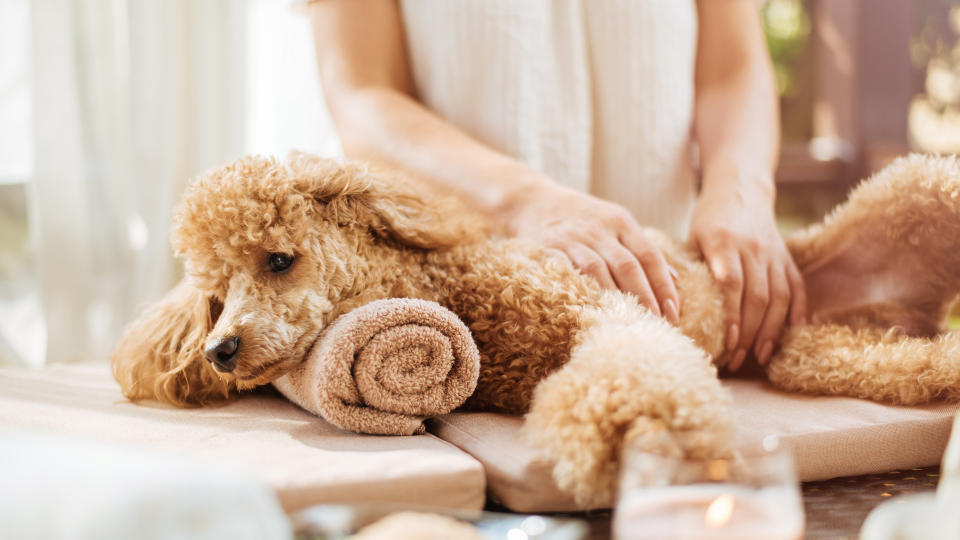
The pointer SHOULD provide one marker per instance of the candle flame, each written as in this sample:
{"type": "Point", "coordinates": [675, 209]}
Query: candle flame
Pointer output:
{"type": "Point", "coordinates": [720, 510]}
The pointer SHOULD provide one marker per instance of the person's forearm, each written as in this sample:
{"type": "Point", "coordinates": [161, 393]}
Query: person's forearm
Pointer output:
{"type": "Point", "coordinates": [738, 137]}
{"type": "Point", "coordinates": [737, 127]}
{"type": "Point", "coordinates": [368, 87]}
{"type": "Point", "coordinates": [386, 125]}
{"type": "Point", "coordinates": [737, 117]}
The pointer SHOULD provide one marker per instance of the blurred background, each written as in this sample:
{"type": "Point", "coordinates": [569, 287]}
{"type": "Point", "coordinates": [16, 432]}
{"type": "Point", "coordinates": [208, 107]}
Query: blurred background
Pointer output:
{"type": "Point", "coordinates": [107, 107]}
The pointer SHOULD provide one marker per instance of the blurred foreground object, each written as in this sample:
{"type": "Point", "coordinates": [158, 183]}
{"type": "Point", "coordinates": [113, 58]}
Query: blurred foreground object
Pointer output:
{"type": "Point", "coordinates": [414, 526]}
{"type": "Point", "coordinates": [400, 521]}
{"type": "Point", "coordinates": [63, 488]}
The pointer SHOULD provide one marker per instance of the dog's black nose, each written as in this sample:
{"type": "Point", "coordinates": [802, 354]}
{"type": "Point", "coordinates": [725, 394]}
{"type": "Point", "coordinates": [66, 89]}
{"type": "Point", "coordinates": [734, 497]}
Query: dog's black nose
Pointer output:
{"type": "Point", "coordinates": [223, 354]}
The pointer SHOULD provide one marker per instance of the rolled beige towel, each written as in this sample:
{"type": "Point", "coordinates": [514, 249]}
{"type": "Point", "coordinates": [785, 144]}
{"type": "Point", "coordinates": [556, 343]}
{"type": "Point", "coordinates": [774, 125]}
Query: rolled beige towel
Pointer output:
{"type": "Point", "coordinates": [386, 366]}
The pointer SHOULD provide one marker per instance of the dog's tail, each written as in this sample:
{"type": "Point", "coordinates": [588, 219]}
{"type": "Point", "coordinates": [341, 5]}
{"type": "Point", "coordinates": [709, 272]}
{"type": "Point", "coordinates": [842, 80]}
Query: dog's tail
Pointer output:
{"type": "Point", "coordinates": [868, 363]}
{"type": "Point", "coordinates": [632, 378]}
{"type": "Point", "coordinates": [161, 353]}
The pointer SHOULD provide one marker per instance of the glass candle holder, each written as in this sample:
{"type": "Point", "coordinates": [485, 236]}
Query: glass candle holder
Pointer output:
{"type": "Point", "coordinates": [744, 498]}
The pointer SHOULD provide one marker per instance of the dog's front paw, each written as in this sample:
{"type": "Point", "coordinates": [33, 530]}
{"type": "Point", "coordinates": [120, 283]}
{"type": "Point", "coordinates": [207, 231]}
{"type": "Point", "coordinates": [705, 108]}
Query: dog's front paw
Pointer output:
{"type": "Point", "coordinates": [569, 424]}
{"type": "Point", "coordinates": [583, 428]}
{"type": "Point", "coordinates": [632, 376]}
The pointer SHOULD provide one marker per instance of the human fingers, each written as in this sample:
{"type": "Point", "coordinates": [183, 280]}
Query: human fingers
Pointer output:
{"type": "Point", "coordinates": [658, 272]}
{"type": "Point", "coordinates": [627, 272]}
{"type": "Point", "coordinates": [756, 298]}
{"type": "Point", "coordinates": [728, 272]}
{"type": "Point", "coordinates": [798, 294]}
{"type": "Point", "coordinates": [589, 262]}
{"type": "Point", "coordinates": [775, 315]}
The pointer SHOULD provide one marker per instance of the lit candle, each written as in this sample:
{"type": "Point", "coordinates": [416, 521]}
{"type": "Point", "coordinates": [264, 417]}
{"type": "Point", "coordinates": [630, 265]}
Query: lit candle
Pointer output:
{"type": "Point", "coordinates": [715, 511]}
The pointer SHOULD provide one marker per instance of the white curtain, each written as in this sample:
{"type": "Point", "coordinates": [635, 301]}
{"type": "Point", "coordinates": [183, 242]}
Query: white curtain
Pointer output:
{"type": "Point", "coordinates": [131, 98]}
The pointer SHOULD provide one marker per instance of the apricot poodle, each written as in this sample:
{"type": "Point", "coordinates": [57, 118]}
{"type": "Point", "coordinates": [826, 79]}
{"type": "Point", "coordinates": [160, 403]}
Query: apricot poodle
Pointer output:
{"type": "Point", "coordinates": [274, 251]}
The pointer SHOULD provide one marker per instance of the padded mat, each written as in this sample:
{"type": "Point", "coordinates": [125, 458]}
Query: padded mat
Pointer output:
{"type": "Point", "coordinates": [304, 459]}
{"type": "Point", "coordinates": [829, 437]}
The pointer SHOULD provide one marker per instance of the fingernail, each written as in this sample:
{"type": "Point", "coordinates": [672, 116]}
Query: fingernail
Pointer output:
{"type": "Point", "coordinates": [765, 352]}
{"type": "Point", "coordinates": [738, 358]}
{"type": "Point", "coordinates": [670, 308]}
{"type": "Point", "coordinates": [673, 272]}
{"type": "Point", "coordinates": [733, 334]}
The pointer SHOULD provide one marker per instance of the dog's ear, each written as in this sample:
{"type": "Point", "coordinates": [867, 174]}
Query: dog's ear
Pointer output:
{"type": "Point", "coordinates": [416, 214]}
{"type": "Point", "coordinates": [389, 202]}
{"type": "Point", "coordinates": [161, 353]}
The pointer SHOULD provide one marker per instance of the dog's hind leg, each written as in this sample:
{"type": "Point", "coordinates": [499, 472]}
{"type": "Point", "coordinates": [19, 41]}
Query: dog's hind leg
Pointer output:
{"type": "Point", "coordinates": [632, 378]}
{"type": "Point", "coordinates": [869, 363]}
{"type": "Point", "coordinates": [890, 255]}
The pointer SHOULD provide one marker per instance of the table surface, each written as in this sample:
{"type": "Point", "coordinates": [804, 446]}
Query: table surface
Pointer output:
{"type": "Point", "coordinates": [835, 509]}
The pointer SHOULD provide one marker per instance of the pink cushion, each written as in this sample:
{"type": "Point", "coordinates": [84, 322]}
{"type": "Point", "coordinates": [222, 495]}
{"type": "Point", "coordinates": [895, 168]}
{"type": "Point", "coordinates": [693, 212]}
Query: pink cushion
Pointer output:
{"type": "Point", "coordinates": [829, 436]}
{"type": "Point", "coordinates": [304, 459]}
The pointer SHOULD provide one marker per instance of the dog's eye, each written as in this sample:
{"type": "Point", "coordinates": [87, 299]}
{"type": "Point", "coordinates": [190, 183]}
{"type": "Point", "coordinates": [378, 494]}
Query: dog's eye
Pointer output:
{"type": "Point", "coordinates": [280, 262]}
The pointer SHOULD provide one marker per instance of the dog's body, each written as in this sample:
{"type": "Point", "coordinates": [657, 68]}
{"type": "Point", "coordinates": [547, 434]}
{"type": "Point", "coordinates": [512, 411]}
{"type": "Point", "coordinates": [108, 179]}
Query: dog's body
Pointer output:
{"type": "Point", "coordinates": [591, 368]}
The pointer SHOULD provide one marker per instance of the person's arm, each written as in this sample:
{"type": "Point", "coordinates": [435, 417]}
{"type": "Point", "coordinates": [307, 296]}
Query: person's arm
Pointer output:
{"type": "Point", "coordinates": [737, 129]}
{"type": "Point", "coordinates": [367, 85]}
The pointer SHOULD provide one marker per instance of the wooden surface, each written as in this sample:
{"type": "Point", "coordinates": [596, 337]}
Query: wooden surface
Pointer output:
{"type": "Point", "coordinates": [836, 508]}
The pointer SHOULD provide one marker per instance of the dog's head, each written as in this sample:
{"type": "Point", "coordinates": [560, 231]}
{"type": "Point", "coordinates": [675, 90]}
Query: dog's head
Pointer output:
{"type": "Point", "coordinates": [270, 250]}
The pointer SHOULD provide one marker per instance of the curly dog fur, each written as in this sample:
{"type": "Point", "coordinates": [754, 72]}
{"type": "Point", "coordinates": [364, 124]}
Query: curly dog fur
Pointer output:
{"type": "Point", "coordinates": [591, 369]}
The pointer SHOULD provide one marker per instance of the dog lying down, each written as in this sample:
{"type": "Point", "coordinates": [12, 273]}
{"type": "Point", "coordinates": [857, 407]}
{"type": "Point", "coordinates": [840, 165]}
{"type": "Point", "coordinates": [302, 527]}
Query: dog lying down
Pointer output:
{"type": "Point", "coordinates": [275, 251]}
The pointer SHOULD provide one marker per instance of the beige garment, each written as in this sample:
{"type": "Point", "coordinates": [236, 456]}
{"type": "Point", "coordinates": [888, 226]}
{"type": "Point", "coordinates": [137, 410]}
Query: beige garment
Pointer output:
{"type": "Point", "coordinates": [597, 94]}
{"type": "Point", "coordinates": [386, 366]}
{"type": "Point", "coordinates": [828, 436]}
{"type": "Point", "coordinates": [305, 460]}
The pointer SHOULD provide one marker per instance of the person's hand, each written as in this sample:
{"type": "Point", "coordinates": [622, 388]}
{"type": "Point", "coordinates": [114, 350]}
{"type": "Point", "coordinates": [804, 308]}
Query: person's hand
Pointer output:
{"type": "Point", "coordinates": [602, 240]}
{"type": "Point", "coordinates": [734, 227]}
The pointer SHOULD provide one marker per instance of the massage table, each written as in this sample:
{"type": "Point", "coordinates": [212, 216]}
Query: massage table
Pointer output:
{"type": "Point", "coordinates": [463, 458]}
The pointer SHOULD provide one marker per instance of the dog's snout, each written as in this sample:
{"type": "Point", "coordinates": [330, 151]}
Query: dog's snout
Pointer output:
{"type": "Point", "coordinates": [223, 354]}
